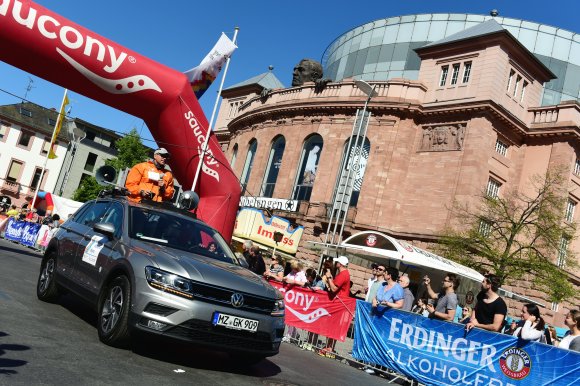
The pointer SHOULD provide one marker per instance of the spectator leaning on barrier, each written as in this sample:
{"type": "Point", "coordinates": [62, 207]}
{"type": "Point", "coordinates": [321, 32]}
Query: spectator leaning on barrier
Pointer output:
{"type": "Point", "coordinates": [13, 212]}
{"type": "Point", "coordinates": [421, 307]}
{"type": "Point", "coordinates": [276, 270]}
{"type": "Point", "coordinates": [408, 297]}
{"type": "Point", "coordinates": [380, 273]}
{"type": "Point", "coordinates": [533, 328]}
{"type": "Point", "coordinates": [490, 310]}
{"type": "Point", "coordinates": [447, 299]}
{"type": "Point", "coordinates": [314, 281]}
{"type": "Point", "coordinates": [571, 341]}
{"type": "Point", "coordinates": [256, 261]}
{"type": "Point", "coordinates": [465, 314]}
{"type": "Point", "coordinates": [370, 281]}
{"type": "Point", "coordinates": [391, 293]}
{"type": "Point", "coordinates": [297, 275]}
{"type": "Point", "coordinates": [339, 285]}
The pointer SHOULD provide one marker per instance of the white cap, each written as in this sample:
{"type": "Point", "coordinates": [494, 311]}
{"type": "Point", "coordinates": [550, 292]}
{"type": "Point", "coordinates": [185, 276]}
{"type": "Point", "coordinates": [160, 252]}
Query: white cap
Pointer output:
{"type": "Point", "coordinates": [341, 259]}
{"type": "Point", "coordinates": [161, 151]}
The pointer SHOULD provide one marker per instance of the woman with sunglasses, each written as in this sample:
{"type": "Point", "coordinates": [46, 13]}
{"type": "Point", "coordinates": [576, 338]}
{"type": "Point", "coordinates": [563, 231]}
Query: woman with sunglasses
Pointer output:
{"type": "Point", "coordinates": [465, 315]}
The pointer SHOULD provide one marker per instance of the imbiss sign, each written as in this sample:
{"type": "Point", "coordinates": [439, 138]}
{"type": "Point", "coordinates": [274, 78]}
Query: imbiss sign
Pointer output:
{"type": "Point", "coordinates": [253, 225]}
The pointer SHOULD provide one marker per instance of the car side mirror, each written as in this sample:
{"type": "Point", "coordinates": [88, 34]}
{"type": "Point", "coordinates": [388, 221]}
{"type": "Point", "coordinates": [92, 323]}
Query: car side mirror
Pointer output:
{"type": "Point", "coordinates": [105, 228]}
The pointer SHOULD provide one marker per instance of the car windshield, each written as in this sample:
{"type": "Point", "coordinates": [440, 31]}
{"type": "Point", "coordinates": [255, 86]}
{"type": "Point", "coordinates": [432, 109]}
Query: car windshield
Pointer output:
{"type": "Point", "coordinates": [178, 232]}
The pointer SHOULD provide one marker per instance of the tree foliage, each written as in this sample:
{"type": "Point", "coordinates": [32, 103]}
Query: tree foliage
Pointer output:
{"type": "Point", "coordinates": [517, 236]}
{"type": "Point", "coordinates": [130, 151]}
{"type": "Point", "coordinates": [88, 190]}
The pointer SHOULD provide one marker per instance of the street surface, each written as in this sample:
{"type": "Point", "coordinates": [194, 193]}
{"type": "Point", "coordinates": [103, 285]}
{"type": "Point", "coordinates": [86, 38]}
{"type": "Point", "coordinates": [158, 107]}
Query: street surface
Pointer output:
{"type": "Point", "coordinates": [57, 344]}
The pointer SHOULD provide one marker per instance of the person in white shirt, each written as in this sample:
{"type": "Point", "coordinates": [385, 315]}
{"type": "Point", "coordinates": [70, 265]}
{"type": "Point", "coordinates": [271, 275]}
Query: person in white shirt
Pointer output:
{"type": "Point", "coordinates": [572, 339]}
{"type": "Point", "coordinates": [533, 328]}
{"type": "Point", "coordinates": [370, 282]}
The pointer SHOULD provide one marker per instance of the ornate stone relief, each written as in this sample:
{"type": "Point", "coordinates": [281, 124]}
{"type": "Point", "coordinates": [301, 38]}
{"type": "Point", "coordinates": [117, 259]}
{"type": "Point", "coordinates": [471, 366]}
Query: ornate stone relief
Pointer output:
{"type": "Point", "coordinates": [442, 138]}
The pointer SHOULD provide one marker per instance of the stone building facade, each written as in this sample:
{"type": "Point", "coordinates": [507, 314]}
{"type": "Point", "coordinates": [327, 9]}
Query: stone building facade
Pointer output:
{"type": "Point", "coordinates": [471, 121]}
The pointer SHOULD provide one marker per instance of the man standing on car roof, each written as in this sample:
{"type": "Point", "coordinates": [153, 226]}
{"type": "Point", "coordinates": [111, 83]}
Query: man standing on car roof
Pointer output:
{"type": "Point", "coordinates": [151, 180]}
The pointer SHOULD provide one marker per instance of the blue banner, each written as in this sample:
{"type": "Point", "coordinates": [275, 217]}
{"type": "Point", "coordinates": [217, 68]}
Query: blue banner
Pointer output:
{"type": "Point", "coordinates": [442, 353]}
{"type": "Point", "coordinates": [22, 231]}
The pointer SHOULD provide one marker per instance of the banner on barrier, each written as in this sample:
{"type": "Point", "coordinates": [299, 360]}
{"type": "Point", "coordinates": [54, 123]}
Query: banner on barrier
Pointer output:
{"type": "Point", "coordinates": [441, 353]}
{"type": "Point", "coordinates": [22, 231]}
{"type": "Point", "coordinates": [315, 311]}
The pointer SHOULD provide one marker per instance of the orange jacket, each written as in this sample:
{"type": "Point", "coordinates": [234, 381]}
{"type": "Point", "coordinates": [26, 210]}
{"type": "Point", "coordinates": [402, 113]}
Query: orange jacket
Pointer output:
{"type": "Point", "coordinates": [145, 176]}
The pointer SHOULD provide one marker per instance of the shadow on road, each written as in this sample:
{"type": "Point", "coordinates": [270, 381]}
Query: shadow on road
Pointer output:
{"type": "Point", "coordinates": [7, 364]}
{"type": "Point", "coordinates": [17, 248]}
{"type": "Point", "coordinates": [182, 354]}
{"type": "Point", "coordinates": [171, 351]}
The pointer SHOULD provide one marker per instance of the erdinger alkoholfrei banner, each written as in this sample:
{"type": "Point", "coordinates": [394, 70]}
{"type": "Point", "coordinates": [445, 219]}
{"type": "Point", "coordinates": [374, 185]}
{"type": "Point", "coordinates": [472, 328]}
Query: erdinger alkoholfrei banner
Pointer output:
{"type": "Point", "coordinates": [44, 43]}
{"type": "Point", "coordinates": [441, 353]}
{"type": "Point", "coordinates": [315, 311]}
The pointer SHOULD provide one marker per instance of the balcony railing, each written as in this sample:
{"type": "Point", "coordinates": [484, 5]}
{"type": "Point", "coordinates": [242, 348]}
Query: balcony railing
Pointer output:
{"type": "Point", "coordinates": [566, 111]}
{"type": "Point", "coordinates": [10, 186]}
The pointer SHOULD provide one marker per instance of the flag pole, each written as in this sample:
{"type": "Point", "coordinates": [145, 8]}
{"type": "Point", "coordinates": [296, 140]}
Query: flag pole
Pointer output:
{"type": "Point", "coordinates": [210, 126]}
{"type": "Point", "coordinates": [58, 123]}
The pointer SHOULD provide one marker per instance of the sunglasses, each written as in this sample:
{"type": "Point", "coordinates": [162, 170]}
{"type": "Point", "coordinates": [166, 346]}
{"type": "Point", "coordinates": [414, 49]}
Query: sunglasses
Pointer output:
{"type": "Point", "coordinates": [380, 269]}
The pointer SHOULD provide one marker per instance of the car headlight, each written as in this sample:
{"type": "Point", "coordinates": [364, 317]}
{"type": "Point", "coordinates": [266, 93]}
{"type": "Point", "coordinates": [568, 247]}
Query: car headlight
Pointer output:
{"type": "Point", "coordinates": [278, 308]}
{"type": "Point", "coordinates": [169, 282]}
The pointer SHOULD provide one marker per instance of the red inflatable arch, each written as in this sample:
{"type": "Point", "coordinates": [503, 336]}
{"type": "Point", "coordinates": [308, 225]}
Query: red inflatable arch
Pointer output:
{"type": "Point", "coordinates": [45, 44]}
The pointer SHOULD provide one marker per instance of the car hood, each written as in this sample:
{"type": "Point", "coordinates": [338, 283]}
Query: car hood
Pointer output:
{"type": "Point", "coordinates": [205, 269]}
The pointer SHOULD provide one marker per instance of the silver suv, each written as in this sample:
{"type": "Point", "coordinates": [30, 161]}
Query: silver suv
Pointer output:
{"type": "Point", "coordinates": [155, 268]}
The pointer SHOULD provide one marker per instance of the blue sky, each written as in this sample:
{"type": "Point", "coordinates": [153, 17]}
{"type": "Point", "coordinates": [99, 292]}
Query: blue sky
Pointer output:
{"type": "Point", "coordinates": [179, 33]}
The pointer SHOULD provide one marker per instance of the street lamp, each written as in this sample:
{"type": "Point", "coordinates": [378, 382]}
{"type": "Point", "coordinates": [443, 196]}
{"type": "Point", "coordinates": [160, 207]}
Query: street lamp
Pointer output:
{"type": "Point", "coordinates": [358, 132]}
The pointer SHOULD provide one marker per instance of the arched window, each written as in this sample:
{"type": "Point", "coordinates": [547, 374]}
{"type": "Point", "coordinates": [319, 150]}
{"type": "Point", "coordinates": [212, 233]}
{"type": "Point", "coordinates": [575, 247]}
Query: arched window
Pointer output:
{"type": "Point", "coordinates": [274, 162]}
{"type": "Point", "coordinates": [248, 165]}
{"type": "Point", "coordinates": [308, 167]}
{"type": "Point", "coordinates": [350, 177]}
{"type": "Point", "coordinates": [234, 156]}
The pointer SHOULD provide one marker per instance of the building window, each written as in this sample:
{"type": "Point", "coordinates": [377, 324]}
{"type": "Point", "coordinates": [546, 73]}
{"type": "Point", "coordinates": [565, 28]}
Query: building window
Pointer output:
{"type": "Point", "coordinates": [484, 227]}
{"type": "Point", "coordinates": [308, 168]}
{"type": "Point", "coordinates": [510, 80]}
{"type": "Point", "coordinates": [25, 112]}
{"type": "Point", "coordinates": [25, 139]}
{"type": "Point", "coordinates": [353, 167]}
{"type": "Point", "coordinates": [35, 179]}
{"type": "Point", "coordinates": [570, 206]}
{"type": "Point", "coordinates": [273, 167]}
{"type": "Point", "coordinates": [466, 72]}
{"type": "Point", "coordinates": [3, 132]}
{"type": "Point", "coordinates": [46, 146]}
{"type": "Point", "coordinates": [443, 78]}
{"type": "Point", "coordinates": [563, 251]}
{"type": "Point", "coordinates": [90, 135]}
{"type": "Point", "coordinates": [518, 80]}
{"type": "Point", "coordinates": [501, 148]}
{"type": "Point", "coordinates": [523, 91]}
{"type": "Point", "coordinates": [91, 160]}
{"type": "Point", "coordinates": [493, 188]}
{"type": "Point", "coordinates": [234, 156]}
{"type": "Point", "coordinates": [455, 74]}
{"type": "Point", "coordinates": [555, 306]}
{"type": "Point", "coordinates": [577, 167]}
{"type": "Point", "coordinates": [248, 165]}
{"type": "Point", "coordinates": [14, 171]}
{"type": "Point", "coordinates": [51, 122]}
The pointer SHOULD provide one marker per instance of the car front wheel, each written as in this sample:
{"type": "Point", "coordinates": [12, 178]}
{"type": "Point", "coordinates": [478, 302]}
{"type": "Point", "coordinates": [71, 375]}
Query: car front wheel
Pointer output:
{"type": "Point", "coordinates": [114, 313]}
{"type": "Point", "coordinates": [46, 287]}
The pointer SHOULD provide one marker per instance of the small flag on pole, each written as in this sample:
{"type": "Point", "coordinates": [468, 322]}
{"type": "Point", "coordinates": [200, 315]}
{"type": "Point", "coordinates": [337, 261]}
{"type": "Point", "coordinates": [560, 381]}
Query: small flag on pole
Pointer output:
{"type": "Point", "coordinates": [58, 125]}
{"type": "Point", "coordinates": [202, 76]}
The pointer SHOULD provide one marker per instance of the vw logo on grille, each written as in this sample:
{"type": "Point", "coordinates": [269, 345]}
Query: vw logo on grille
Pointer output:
{"type": "Point", "coordinates": [237, 300]}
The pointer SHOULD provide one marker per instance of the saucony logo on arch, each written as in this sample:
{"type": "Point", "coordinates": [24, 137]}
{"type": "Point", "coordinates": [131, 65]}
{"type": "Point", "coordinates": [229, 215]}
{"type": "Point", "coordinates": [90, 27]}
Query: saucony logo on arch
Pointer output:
{"type": "Point", "coordinates": [209, 161]}
{"type": "Point", "coordinates": [71, 38]}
